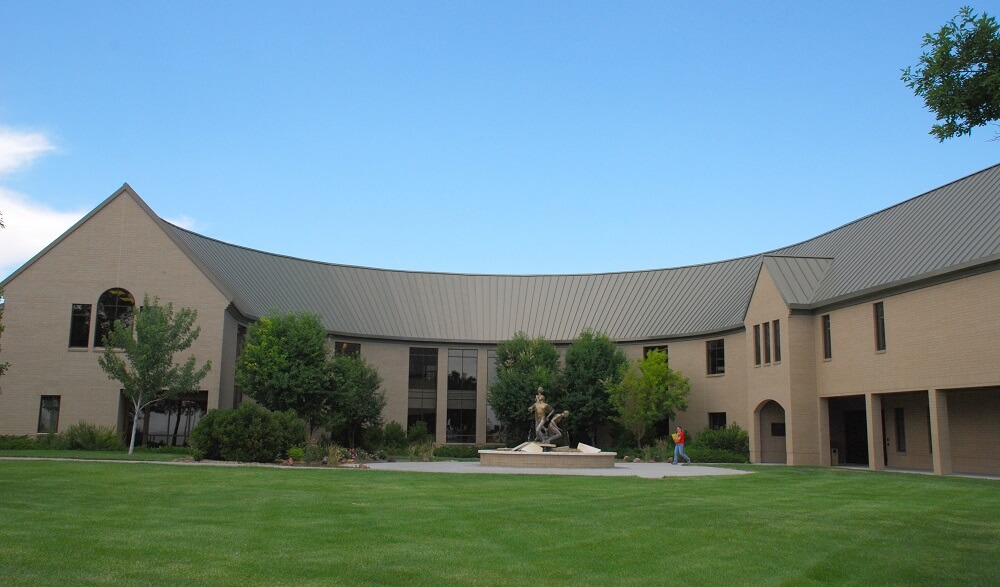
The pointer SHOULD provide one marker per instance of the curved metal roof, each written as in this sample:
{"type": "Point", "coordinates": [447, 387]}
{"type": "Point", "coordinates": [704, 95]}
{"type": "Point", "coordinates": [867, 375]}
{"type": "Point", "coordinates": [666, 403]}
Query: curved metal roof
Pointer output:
{"type": "Point", "coordinates": [943, 230]}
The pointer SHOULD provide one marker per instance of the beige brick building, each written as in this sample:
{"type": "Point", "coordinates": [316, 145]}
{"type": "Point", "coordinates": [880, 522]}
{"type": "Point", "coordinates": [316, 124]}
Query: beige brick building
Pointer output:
{"type": "Point", "coordinates": [876, 344]}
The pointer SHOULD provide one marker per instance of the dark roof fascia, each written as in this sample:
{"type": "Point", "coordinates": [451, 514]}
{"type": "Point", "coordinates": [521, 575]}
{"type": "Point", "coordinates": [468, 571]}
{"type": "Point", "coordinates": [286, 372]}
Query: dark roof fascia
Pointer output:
{"type": "Point", "coordinates": [125, 188]}
{"type": "Point", "coordinates": [953, 273]}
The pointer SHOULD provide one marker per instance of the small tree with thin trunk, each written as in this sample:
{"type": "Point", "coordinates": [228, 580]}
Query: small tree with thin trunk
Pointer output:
{"type": "Point", "coordinates": [141, 357]}
{"type": "Point", "coordinates": [649, 390]}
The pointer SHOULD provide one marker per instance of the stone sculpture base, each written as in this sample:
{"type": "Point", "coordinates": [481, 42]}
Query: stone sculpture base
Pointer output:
{"type": "Point", "coordinates": [560, 459]}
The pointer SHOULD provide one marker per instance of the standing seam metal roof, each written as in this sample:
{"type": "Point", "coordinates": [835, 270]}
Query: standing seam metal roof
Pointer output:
{"type": "Point", "coordinates": [950, 227]}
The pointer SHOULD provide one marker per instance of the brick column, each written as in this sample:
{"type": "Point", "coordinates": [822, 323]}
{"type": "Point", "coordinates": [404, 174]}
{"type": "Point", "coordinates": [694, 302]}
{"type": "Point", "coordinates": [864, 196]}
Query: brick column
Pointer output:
{"type": "Point", "coordinates": [824, 432]}
{"type": "Point", "coordinates": [876, 436]}
{"type": "Point", "coordinates": [937, 400]}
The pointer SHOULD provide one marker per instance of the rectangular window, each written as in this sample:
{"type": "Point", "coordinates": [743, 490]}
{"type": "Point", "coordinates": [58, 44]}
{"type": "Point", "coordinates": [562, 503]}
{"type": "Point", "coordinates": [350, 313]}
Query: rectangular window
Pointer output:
{"type": "Point", "coordinates": [79, 327]}
{"type": "Point", "coordinates": [879, 312]}
{"type": "Point", "coordinates": [462, 369]}
{"type": "Point", "coordinates": [756, 344]}
{"type": "Point", "coordinates": [777, 341]}
{"type": "Point", "coordinates": [715, 351]}
{"type": "Point", "coordinates": [648, 349]}
{"type": "Point", "coordinates": [777, 428]}
{"type": "Point", "coordinates": [494, 433]}
{"type": "Point", "coordinates": [900, 430]}
{"type": "Point", "coordinates": [827, 338]}
{"type": "Point", "coordinates": [716, 420]}
{"type": "Point", "coordinates": [347, 349]}
{"type": "Point", "coordinates": [767, 342]}
{"type": "Point", "coordinates": [48, 414]}
{"type": "Point", "coordinates": [423, 388]}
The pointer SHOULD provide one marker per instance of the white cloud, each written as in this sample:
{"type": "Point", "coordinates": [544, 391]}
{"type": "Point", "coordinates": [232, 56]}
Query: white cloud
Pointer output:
{"type": "Point", "coordinates": [19, 149]}
{"type": "Point", "coordinates": [30, 228]}
{"type": "Point", "coordinates": [185, 222]}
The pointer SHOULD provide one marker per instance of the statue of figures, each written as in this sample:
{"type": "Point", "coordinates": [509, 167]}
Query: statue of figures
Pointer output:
{"type": "Point", "coordinates": [554, 433]}
{"type": "Point", "coordinates": [542, 411]}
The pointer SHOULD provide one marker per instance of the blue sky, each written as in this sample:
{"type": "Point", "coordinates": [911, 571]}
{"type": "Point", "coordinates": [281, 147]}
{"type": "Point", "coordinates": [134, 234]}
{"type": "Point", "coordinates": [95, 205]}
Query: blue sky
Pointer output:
{"type": "Point", "coordinates": [471, 137]}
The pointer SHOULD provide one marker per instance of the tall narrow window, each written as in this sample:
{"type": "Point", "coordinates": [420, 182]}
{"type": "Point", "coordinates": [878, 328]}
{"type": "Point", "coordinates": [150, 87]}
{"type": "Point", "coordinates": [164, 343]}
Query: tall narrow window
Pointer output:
{"type": "Point", "coordinates": [900, 430]}
{"type": "Point", "coordinates": [767, 342]}
{"type": "Point", "coordinates": [79, 326]}
{"type": "Point", "coordinates": [423, 388]}
{"type": "Point", "coordinates": [879, 312]}
{"type": "Point", "coordinates": [716, 356]}
{"type": "Point", "coordinates": [114, 304]}
{"type": "Point", "coordinates": [777, 341]}
{"type": "Point", "coordinates": [48, 414]}
{"type": "Point", "coordinates": [494, 433]}
{"type": "Point", "coordinates": [462, 367]}
{"type": "Point", "coordinates": [756, 344]}
{"type": "Point", "coordinates": [827, 338]}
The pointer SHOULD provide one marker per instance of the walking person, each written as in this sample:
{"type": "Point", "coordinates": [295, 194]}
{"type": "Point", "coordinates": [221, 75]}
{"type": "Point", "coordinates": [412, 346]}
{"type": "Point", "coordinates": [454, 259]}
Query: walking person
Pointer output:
{"type": "Point", "coordinates": [679, 446]}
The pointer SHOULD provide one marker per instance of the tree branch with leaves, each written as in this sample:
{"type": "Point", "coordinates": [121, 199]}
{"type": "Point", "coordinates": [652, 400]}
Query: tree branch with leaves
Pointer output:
{"type": "Point", "coordinates": [139, 354]}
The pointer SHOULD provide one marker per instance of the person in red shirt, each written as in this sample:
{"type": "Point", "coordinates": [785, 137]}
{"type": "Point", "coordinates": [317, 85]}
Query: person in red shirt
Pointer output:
{"type": "Point", "coordinates": [679, 447]}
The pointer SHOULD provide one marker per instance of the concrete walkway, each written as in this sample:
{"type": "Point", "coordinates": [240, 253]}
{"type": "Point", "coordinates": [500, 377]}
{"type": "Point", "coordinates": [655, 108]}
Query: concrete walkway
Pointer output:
{"type": "Point", "coordinates": [646, 470]}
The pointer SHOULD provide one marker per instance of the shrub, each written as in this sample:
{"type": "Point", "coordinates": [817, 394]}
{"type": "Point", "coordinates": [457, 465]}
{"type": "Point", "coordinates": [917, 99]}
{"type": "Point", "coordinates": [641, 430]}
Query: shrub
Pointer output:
{"type": "Point", "coordinates": [86, 436]}
{"type": "Point", "coordinates": [297, 453]}
{"type": "Point", "coordinates": [702, 454]}
{"type": "Point", "coordinates": [17, 443]}
{"type": "Point", "coordinates": [458, 451]}
{"type": "Point", "coordinates": [417, 434]}
{"type": "Point", "coordinates": [250, 433]}
{"type": "Point", "coordinates": [394, 438]}
{"type": "Point", "coordinates": [732, 439]}
{"type": "Point", "coordinates": [314, 453]}
{"type": "Point", "coordinates": [372, 438]}
{"type": "Point", "coordinates": [421, 451]}
{"type": "Point", "coordinates": [336, 453]}
{"type": "Point", "coordinates": [165, 450]}
{"type": "Point", "coordinates": [658, 452]}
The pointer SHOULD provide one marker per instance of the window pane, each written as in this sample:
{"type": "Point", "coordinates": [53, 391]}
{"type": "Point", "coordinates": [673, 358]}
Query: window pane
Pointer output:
{"type": "Point", "coordinates": [114, 304]}
{"type": "Point", "coordinates": [777, 341]}
{"type": "Point", "coordinates": [48, 414]}
{"type": "Point", "coordinates": [767, 342]}
{"type": "Point", "coordinates": [827, 338]}
{"type": "Point", "coordinates": [756, 344]}
{"type": "Point", "coordinates": [347, 349]}
{"type": "Point", "coordinates": [79, 326]}
{"type": "Point", "coordinates": [879, 310]}
{"type": "Point", "coordinates": [716, 352]}
{"type": "Point", "coordinates": [423, 389]}
{"type": "Point", "coordinates": [716, 420]}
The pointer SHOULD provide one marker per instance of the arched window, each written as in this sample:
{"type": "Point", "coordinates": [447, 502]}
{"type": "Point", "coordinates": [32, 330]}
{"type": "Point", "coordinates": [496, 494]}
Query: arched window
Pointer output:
{"type": "Point", "coordinates": [114, 304]}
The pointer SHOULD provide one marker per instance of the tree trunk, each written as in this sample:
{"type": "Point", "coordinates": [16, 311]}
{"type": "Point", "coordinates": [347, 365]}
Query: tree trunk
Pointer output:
{"type": "Point", "coordinates": [177, 424]}
{"type": "Point", "coordinates": [135, 425]}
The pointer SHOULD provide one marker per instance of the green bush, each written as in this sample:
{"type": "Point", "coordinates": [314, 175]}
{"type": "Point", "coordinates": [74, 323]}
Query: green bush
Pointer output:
{"type": "Point", "coordinates": [250, 433]}
{"type": "Point", "coordinates": [165, 450]}
{"type": "Point", "coordinates": [314, 453]}
{"type": "Point", "coordinates": [394, 438]}
{"type": "Point", "coordinates": [372, 438]}
{"type": "Point", "coordinates": [732, 439]}
{"type": "Point", "coordinates": [702, 454]}
{"type": "Point", "coordinates": [657, 452]}
{"type": "Point", "coordinates": [417, 434]}
{"type": "Point", "coordinates": [8, 442]}
{"type": "Point", "coordinates": [87, 436]}
{"type": "Point", "coordinates": [421, 452]}
{"type": "Point", "coordinates": [459, 451]}
{"type": "Point", "coordinates": [297, 453]}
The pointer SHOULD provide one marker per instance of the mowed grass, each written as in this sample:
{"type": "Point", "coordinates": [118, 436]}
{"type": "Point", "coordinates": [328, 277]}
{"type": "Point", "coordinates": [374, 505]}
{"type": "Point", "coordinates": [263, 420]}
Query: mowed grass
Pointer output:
{"type": "Point", "coordinates": [73, 523]}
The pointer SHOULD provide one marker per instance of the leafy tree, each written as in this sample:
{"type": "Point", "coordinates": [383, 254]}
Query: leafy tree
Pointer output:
{"type": "Point", "coordinates": [147, 372]}
{"type": "Point", "coordinates": [358, 402]}
{"type": "Point", "coordinates": [592, 363]}
{"type": "Point", "coordinates": [649, 390]}
{"type": "Point", "coordinates": [523, 365]}
{"type": "Point", "coordinates": [959, 74]}
{"type": "Point", "coordinates": [284, 366]}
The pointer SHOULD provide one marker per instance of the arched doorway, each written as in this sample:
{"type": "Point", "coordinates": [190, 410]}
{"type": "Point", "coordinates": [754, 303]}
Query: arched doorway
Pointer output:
{"type": "Point", "coordinates": [771, 418]}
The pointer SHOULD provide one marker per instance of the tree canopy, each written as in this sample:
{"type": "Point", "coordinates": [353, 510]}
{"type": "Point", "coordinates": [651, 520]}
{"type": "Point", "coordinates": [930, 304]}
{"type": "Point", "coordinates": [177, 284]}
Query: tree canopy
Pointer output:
{"type": "Point", "coordinates": [358, 401]}
{"type": "Point", "coordinates": [139, 353]}
{"type": "Point", "coordinates": [284, 365]}
{"type": "Point", "coordinates": [959, 74]}
{"type": "Point", "coordinates": [592, 363]}
{"type": "Point", "coordinates": [649, 391]}
{"type": "Point", "coordinates": [523, 365]}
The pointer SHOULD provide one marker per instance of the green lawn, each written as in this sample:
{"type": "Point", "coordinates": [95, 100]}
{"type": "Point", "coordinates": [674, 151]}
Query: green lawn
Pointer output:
{"type": "Point", "coordinates": [71, 523]}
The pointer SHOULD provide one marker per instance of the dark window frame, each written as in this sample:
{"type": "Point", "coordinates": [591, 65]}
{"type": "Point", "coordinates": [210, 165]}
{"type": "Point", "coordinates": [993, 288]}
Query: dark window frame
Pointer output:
{"type": "Point", "coordinates": [827, 337]}
{"type": "Point", "coordinates": [715, 356]}
{"type": "Point", "coordinates": [878, 311]}
{"type": "Point", "coordinates": [767, 343]}
{"type": "Point", "coordinates": [347, 349]}
{"type": "Point", "coordinates": [49, 425]}
{"type": "Point", "coordinates": [79, 326]}
{"type": "Point", "coordinates": [777, 340]}
{"type": "Point", "coordinates": [900, 416]}
{"type": "Point", "coordinates": [114, 304]}
{"type": "Point", "coordinates": [717, 420]}
{"type": "Point", "coordinates": [422, 388]}
{"type": "Point", "coordinates": [756, 344]}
